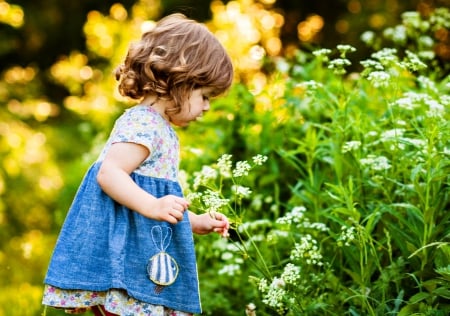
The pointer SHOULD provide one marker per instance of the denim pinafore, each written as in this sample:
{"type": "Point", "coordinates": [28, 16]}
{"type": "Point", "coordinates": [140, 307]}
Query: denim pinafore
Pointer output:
{"type": "Point", "coordinates": [104, 245]}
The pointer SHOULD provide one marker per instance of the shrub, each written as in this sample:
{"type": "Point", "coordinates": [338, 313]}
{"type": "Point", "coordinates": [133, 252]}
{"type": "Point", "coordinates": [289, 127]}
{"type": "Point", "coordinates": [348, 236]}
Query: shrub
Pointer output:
{"type": "Point", "coordinates": [354, 219]}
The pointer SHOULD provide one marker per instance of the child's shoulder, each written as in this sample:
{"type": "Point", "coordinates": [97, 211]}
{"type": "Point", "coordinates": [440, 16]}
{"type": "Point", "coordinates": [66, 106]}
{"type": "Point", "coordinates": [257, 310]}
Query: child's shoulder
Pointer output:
{"type": "Point", "coordinates": [140, 112]}
{"type": "Point", "coordinates": [140, 109]}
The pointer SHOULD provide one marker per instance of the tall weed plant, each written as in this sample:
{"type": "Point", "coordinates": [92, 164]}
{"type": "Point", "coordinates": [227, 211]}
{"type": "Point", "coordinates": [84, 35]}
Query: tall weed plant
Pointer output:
{"type": "Point", "coordinates": [343, 207]}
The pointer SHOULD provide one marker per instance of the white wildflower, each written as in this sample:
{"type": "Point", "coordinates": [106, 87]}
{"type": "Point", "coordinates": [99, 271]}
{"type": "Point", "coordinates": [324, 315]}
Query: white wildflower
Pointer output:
{"type": "Point", "coordinates": [275, 234]}
{"type": "Point", "coordinates": [379, 79]}
{"type": "Point", "coordinates": [230, 269]}
{"type": "Point", "coordinates": [418, 143]}
{"type": "Point", "coordinates": [426, 54]}
{"type": "Point", "coordinates": [278, 283]}
{"type": "Point", "coordinates": [224, 164]}
{"type": "Point", "coordinates": [348, 234]}
{"type": "Point", "coordinates": [310, 86]}
{"type": "Point", "coordinates": [411, 100]}
{"type": "Point", "coordinates": [427, 83]}
{"type": "Point", "coordinates": [392, 134]}
{"type": "Point", "coordinates": [376, 163]}
{"type": "Point", "coordinates": [204, 176]}
{"type": "Point", "coordinates": [426, 41]}
{"type": "Point", "coordinates": [322, 54]}
{"type": "Point", "coordinates": [412, 19]}
{"type": "Point", "coordinates": [212, 201]}
{"type": "Point", "coordinates": [386, 56]}
{"type": "Point", "coordinates": [263, 285]}
{"type": "Point", "coordinates": [307, 250]}
{"type": "Point", "coordinates": [368, 37]}
{"type": "Point", "coordinates": [259, 159]}
{"type": "Point", "coordinates": [350, 146]}
{"type": "Point", "coordinates": [435, 109]}
{"type": "Point", "coordinates": [344, 49]}
{"type": "Point", "coordinates": [316, 226]}
{"type": "Point", "coordinates": [445, 100]}
{"type": "Point", "coordinates": [405, 103]}
{"type": "Point", "coordinates": [291, 273]}
{"type": "Point", "coordinates": [372, 64]}
{"type": "Point", "coordinates": [413, 62]}
{"type": "Point", "coordinates": [241, 191]}
{"type": "Point", "coordinates": [338, 65]}
{"type": "Point", "coordinates": [193, 196]}
{"type": "Point", "coordinates": [295, 216]}
{"type": "Point", "coordinates": [242, 168]}
{"type": "Point", "coordinates": [254, 225]}
{"type": "Point", "coordinates": [397, 34]}
{"type": "Point", "coordinates": [274, 298]}
{"type": "Point", "coordinates": [227, 256]}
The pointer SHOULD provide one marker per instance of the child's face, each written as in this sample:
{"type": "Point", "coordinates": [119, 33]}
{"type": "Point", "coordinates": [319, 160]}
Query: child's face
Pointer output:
{"type": "Point", "coordinates": [194, 108]}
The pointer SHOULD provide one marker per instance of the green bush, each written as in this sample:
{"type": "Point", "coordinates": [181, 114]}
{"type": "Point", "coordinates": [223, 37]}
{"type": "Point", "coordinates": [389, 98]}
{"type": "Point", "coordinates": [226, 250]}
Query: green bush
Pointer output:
{"type": "Point", "coordinates": [349, 215]}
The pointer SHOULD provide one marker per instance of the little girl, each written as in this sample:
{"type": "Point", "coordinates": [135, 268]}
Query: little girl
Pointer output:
{"type": "Point", "coordinates": [126, 247]}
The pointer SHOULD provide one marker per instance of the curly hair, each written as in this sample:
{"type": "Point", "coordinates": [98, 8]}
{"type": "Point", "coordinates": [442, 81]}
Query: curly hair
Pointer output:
{"type": "Point", "coordinates": [177, 56]}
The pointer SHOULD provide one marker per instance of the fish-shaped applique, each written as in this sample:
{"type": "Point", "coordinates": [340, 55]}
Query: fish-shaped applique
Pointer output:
{"type": "Point", "coordinates": [162, 268]}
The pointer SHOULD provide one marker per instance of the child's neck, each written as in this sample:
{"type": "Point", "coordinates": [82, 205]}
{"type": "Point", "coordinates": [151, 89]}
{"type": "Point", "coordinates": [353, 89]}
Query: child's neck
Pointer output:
{"type": "Point", "coordinates": [158, 105]}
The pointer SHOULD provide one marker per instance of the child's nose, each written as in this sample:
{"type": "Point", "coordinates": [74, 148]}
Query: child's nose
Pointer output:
{"type": "Point", "coordinates": [206, 105]}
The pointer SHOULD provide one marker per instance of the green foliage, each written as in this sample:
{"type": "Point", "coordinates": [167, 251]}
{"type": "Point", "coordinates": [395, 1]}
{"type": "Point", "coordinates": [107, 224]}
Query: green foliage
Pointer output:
{"type": "Point", "coordinates": [365, 230]}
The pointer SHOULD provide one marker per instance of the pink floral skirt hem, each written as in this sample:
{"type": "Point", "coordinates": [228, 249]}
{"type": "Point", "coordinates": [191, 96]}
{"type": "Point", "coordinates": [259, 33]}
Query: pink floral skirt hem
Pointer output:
{"type": "Point", "coordinates": [114, 301]}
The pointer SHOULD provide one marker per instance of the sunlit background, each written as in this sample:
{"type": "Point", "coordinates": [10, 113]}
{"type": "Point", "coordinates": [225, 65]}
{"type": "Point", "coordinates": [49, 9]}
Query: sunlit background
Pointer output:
{"type": "Point", "coordinates": [58, 97]}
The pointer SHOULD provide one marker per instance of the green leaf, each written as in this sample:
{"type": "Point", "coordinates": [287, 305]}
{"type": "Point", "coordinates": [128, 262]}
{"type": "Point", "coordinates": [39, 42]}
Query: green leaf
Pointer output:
{"type": "Point", "coordinates": [419, 297]}
{"type": "Point", "coordinates": [443, 292]}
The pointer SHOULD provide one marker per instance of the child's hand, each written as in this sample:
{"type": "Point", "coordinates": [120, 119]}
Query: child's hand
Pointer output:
{"type": "Point", "coordinates": [169, 208]}
{"type": "Point", "coordinates": [209, 222]}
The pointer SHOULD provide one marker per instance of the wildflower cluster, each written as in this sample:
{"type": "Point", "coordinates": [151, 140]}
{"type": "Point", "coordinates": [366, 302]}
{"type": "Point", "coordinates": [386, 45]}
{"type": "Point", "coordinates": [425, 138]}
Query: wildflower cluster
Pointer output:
{"type": "Point", "coordinates": [233, 262]}
{"type": "Point", "coordinates": [362, 190]}
{"type": "Point", "coordinates": [338, 65]}
{"type": "Point", "coordinates": [209, 192]}
{"type": "Point", "coordinates": [274, 295]}
{"type": "Point", "coordinates": [412, 62]}
{"type": "Point", "coordinates": [258, 160]}
{"type": "Point", "coordinates": [434, 106]}
{"type": "Point", "coordinates": [385, 63]}
{"type": "Point", "coordinates": [212, 201]}
{"type": "Point", "coordinates": [224, 164]}
{"type": "Point", "coordinates": [379, 79]}
{"type": "Point", "coordinates": [307, 251]}
{"type": "Point", "coordinates": [348, 234]}
{"type": "Point", "coordinates": [291, 273]}
{"type": "Point", "coordinates": [297, 218]}
{"type": "Point", "coordinates": [204, 176]}
{"type": "Point", "coordinates": [322, 54]}
{"type": "Point", "coordinates": [351, 146]}
{"type": "Point", "coordinates": [419, 34]}
{"type": "Point", "coordinates": [376, 163]}
{"type": "Point", "coordinates": [310, 86]}
{"type": "Point", "coordinates": [378, 70]}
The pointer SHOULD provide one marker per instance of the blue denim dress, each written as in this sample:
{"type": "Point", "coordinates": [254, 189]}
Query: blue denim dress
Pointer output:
{"type": "Point", "coordinates": [104, 245]}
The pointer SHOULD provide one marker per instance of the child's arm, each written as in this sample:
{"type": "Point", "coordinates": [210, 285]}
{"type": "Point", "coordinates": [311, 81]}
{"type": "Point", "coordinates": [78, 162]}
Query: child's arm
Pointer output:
{"type": "Point", "coordinates": [209, 222]}
{"type": "Point", "coordinates": [114, 178]}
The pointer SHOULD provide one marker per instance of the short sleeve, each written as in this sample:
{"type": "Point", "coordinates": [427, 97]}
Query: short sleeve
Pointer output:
{"type": "Point", "coordinates": [143, 125]}
{"type": "Point", "coordinates": [137, 125]}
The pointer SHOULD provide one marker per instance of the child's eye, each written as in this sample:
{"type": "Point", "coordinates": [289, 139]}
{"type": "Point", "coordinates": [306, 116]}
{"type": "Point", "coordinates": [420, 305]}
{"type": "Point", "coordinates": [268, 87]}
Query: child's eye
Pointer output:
{"type": "Point", "coordinates": [205, 98]}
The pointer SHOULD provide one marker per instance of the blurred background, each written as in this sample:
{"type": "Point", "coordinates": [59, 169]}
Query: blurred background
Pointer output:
{"type": "Point", "coordinates": [58, 98]}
